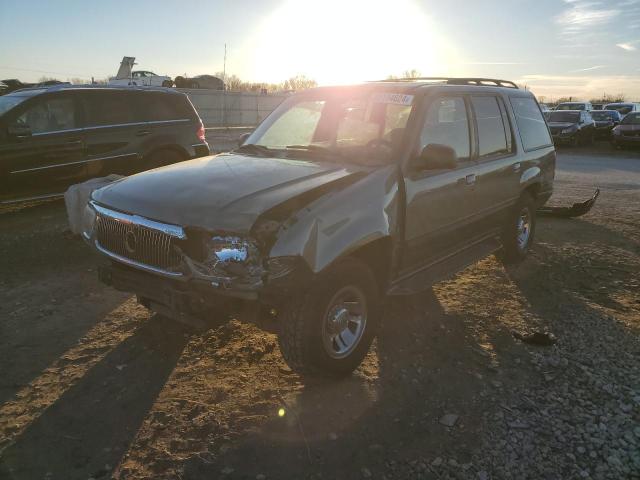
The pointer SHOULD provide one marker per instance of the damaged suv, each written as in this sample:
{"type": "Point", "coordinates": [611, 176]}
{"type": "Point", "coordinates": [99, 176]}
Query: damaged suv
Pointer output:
{"type": "Point", "coordinates": [342, 197]}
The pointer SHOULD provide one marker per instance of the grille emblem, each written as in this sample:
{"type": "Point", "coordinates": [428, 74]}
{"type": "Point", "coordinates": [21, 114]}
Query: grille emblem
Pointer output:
{"type": "Point", "coordinates": [130, 241]}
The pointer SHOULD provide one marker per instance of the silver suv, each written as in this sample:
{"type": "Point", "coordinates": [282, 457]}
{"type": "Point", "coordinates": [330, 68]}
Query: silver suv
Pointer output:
{"type": "Point", "coordinates": [342, 197]}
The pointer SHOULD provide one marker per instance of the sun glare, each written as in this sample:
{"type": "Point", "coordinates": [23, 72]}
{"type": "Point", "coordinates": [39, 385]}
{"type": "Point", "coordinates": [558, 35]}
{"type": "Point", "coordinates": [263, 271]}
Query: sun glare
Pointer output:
{"type": "Point", "coordinates": [342, 41]}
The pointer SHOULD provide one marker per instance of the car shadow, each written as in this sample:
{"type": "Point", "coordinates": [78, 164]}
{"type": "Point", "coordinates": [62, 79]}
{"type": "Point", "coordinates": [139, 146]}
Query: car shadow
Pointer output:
{"type": "Point", "coordinates": [86, 431]}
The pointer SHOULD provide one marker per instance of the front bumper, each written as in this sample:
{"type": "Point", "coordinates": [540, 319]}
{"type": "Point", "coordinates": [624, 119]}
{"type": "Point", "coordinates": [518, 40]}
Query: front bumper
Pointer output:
{"type": "Point", "coordinates": [626, 140]}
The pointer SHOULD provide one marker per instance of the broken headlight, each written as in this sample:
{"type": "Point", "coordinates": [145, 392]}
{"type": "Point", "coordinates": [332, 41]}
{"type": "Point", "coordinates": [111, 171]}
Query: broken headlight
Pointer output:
{"type": "Point", "coordinates": [229, 249]}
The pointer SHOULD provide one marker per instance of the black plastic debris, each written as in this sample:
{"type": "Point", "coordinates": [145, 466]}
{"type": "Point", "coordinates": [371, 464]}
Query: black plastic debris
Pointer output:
{"type": "Point", "coordinates": [576, 210]}
{"type": "Point", "coordinates": [536, 338]}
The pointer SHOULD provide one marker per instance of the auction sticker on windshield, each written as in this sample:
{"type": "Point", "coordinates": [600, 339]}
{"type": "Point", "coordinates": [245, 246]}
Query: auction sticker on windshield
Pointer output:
{"type": "Point", "coordinates": [394, 98]}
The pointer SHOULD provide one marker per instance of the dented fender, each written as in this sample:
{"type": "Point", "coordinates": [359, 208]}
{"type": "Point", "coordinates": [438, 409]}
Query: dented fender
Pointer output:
{"type": "Point", "coordinates": [342, 221]}
{"type": "Point", "coordinates": [530, 175]}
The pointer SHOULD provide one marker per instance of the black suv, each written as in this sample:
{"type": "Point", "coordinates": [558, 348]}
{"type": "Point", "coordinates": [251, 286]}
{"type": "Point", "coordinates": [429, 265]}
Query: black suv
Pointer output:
{"type": "Point", "coordinates": [53, 137]}
{"type": "Point", "coordinates": [341, 197]}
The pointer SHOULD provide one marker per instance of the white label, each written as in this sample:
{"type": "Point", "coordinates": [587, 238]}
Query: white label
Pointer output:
{"type": "Point", "coordinates": [395, 98]}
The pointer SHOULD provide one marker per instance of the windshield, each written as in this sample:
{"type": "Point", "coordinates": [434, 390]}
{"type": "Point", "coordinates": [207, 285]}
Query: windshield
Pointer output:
{"type": "Point", "coordinates": [600, 116]}
{"type": "Point", "coordinates": [564, 117]}
{"type": "Point", "coordinates": [571, 106]}
{"type": "Point", "coordinates": [623, 108]}
{"type": "Point", "coordinates": [631, 119]}
{"type": "Point", "coordinates": [354, 125]}
{"type": "Point", "coordinates": [7, 102]}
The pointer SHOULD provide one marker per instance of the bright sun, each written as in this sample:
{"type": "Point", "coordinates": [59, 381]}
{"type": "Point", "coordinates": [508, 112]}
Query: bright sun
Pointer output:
{"type": "Point", "coordinates": [342, 41]}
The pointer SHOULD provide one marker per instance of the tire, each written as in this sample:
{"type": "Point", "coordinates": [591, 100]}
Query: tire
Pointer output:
{"type": "Point", "coordinates": [516, 241]}
{"type": "Point", "coordinates": [161, 158]}
{"type": "Point", "coordinates": [305, 329]}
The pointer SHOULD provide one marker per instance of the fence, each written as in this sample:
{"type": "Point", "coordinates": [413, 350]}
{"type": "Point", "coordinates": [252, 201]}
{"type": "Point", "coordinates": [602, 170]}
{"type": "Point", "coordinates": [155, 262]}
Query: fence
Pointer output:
{"type": "Point", "coordinates": [223, 109]}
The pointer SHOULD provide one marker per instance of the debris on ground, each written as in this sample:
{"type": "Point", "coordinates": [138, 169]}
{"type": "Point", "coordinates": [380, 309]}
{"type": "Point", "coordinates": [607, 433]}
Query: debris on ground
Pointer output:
{"type": "Point", "coordinates": [536, 338]}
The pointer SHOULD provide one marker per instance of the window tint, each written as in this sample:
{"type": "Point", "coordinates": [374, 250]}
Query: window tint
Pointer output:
{"type": "Point", "coordinates": [447, 124]}
{"type": "Point", "coordinates": [107, 108]}
{"type": "Point", "coordinates": [492, 138]}
{"type": "Point", "coordinates": [50, 115]}
{"type": "Point", "coordinates": [533, 129]}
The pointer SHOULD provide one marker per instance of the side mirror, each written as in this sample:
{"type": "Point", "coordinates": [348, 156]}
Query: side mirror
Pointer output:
{"type": "Point", "coordinates": [243, 138]}
{"type": "Point", "coordinates": [437, 157]}
{"type": "Point", "coordinates": [19, 130]}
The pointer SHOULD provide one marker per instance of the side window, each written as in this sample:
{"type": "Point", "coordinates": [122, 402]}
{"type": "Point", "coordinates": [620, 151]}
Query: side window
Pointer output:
{"type": "Point", "coordinates": [492, 137]}
{"type": "Point", "coordinates": [52, 115]}
{"type": "Point", "coordinates": [107, 108]}
{"type": "Point", "coordinates": [447, 124]}
{"type": "Point", "coordinates": [157, 107]}
{"type": "Point", "coordinates": [533, 129]}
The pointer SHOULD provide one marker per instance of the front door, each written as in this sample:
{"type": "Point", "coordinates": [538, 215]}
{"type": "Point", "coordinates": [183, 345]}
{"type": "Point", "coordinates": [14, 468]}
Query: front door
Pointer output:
{"type": "Point", "coordinates": [51, 157]}
{"type": "Point", "coordinates": [440, 211]}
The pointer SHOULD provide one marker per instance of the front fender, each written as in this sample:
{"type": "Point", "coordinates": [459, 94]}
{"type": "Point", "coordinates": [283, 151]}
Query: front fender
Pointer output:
{"type": "Point", "coordinates": [342, 221]}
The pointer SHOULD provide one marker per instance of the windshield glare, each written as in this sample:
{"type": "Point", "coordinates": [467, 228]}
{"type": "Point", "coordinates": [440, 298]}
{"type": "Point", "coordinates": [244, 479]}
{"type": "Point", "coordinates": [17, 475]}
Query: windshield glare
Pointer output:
{"type": "Point", "coordinates": [565, 117]}
{"type": "Point", "coordinates": [631, 119]}
{"type": "Point", "coordinates": [359, 126]}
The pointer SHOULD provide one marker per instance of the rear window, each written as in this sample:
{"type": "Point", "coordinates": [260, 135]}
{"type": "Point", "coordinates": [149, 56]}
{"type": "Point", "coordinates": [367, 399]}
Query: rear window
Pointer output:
{"type": "Point", "coordinates": [533, 129]}
{"type": "Point", "coordinates": [631, 119]}
{"type": "Point", "coordinates": [620, 107]}
{"type": "Point", "coordinates": [108, 108]}
{"type": "Point", "coordinates": [155, 107]}
{"type": "Point", "coordinates": [563, 117]}
{"type": "Point", "coordinates": [571, 106]}
{"type": "Point", "coordinates": [7, 102]}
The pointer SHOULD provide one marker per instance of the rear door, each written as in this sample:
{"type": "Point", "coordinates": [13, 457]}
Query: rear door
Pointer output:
{"type": "Point", "coordinates": [52, 157]}
{"type": "Point", "coordinates": [113, 132]}
{"type": "Point", "coordinates": [440, 207]}
{"type": "Point", "coordinates": [498, 175]}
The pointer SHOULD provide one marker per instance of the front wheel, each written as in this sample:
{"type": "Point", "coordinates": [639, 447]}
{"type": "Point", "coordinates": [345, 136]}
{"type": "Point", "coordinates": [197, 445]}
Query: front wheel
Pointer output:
{"type": "Point", "coordinates": [328, 330]}
{"type": "Point", "coordinates": [517, 235]}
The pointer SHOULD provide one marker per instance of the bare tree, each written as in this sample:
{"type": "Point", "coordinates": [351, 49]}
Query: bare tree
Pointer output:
{"type": "Point", "coordinates": [299, 82]}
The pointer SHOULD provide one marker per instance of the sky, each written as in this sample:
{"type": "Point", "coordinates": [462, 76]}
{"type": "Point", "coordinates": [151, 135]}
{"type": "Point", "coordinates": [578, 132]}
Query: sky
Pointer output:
{"type": "Point", "coordinates": [579, 48]}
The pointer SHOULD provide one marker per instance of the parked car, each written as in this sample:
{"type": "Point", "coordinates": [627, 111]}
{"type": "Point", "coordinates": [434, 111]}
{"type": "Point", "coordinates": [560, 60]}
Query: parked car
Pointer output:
{"type": "Point", "coordinates": [53, 137]}
{"type": "Point", "coordinates": [4, 88]}
{"type": "Point", "coordinates": [605, 121]}
{"type": "Point", "coordinates": [144, 78]}
{"type": "Point", "coordinates": [575, 106]}
{"type": "Point", "coordinates": [598, 106]}
{"type": "Point", "coordinates": [200, 81]}
{"type": "Point", "coordinates": [623, 108]}
{"type": "Point", "coordinates": [544, 107]}
{"type": "Point", "coordinates": [341, 197]}
{"type": "Point", "coordinates": [14, 84]}
{"type": "Point", "coordinates": [574, 127]}
{"type": "Point", "coordinates": [628, 132]}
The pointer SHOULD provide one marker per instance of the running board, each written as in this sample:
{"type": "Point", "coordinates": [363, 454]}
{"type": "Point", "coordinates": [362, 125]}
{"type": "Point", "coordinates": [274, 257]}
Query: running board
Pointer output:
{"type": "Point", "coordinates": [444, 268]}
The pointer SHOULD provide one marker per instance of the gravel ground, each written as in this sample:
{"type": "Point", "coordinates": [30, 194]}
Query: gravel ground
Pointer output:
{"type": "Point", "coordinates": [94, 386]}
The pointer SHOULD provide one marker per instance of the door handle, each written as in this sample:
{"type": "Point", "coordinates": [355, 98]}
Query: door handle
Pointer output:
{"type": "Point", "coordinates": [142, 133]}
{"type": "Point", "coordinates": [516, 167]}
{"type": "Point", "coordinates": [470, 179]}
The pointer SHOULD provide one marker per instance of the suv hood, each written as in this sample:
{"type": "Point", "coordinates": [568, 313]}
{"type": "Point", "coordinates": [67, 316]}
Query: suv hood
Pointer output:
{"type": "Point", "coordinates": [224, 193]}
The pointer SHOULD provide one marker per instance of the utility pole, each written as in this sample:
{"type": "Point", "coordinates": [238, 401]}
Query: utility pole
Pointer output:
{"type": "Point", "coordinates": [224, 79]}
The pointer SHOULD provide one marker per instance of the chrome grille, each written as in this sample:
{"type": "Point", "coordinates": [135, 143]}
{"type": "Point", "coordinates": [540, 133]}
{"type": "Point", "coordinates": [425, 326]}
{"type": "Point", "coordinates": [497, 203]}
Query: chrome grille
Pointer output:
{"type": "Point", "coordinates": [137, 239]}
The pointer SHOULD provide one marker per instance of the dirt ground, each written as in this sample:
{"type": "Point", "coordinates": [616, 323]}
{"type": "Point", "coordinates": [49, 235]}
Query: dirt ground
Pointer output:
{"type": "Point", "coordinates": [94, 386]}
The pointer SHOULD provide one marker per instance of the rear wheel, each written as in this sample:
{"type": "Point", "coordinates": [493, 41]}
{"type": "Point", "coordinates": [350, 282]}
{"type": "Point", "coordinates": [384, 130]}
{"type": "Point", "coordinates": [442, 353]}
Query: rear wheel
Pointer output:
{"type": "Point", "coordinates": [517, 236]}
{"type": "Point", "coordinates": [328, 330]}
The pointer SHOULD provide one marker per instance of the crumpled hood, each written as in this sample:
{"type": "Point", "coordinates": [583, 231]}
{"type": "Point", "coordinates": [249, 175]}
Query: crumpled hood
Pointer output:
{"type": "Point", "coordinates": [226, 192]}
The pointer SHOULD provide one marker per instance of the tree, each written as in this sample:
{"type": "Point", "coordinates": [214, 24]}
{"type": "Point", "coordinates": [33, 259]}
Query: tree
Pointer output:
{"type": "Point", "coordinates": [299, 82]}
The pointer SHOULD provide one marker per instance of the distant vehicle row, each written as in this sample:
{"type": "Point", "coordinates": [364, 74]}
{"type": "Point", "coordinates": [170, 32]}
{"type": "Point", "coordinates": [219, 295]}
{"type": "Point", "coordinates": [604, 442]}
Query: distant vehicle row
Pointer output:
{"type": "Point", "coordinates": [623, 108]}
{"type": "Point", "coordinates": [579, 127]}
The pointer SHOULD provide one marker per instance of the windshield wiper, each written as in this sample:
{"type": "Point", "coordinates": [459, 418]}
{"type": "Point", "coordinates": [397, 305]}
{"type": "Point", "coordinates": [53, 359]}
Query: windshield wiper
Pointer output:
{"type": "Point", "coordinates": [254, 148]}
{"type": "Point", "coordinates": [314, 149]}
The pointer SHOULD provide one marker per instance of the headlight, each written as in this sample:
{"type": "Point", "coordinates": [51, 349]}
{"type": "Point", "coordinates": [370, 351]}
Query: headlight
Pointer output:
{"type": "Point", "coordinates": [88, 221]}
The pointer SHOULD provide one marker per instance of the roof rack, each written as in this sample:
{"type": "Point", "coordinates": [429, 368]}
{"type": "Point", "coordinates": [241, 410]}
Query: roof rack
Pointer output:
{"type": "Point", "coordinates": [489, 82]}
